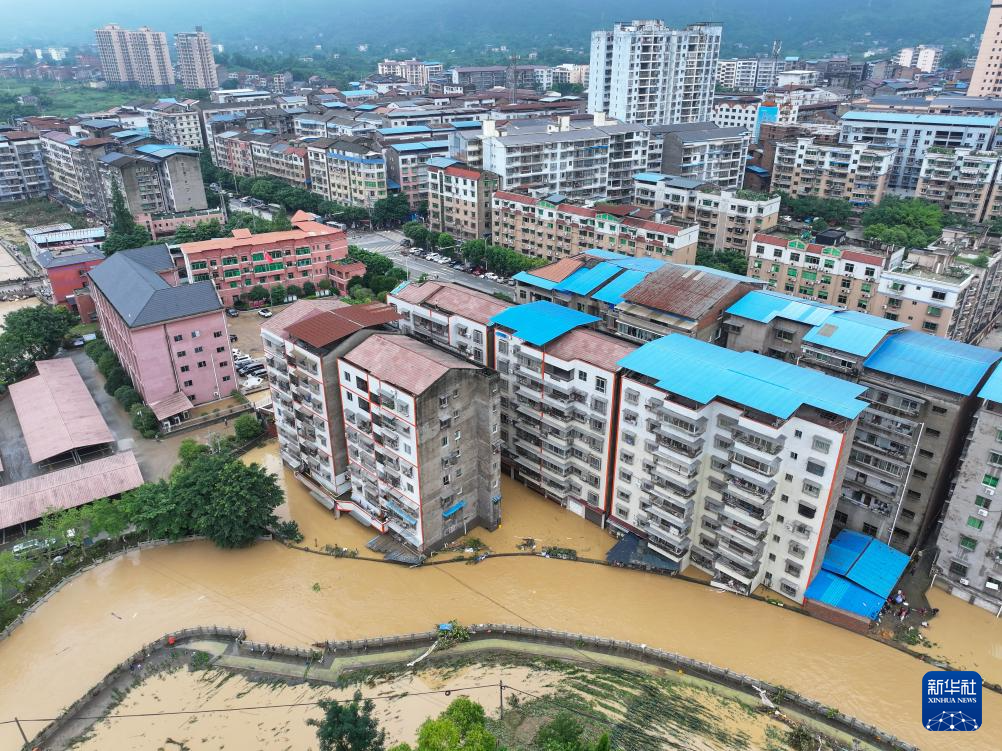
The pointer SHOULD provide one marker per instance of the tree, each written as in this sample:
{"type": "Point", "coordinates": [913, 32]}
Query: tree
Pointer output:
{"type": "Point", "coordinates": [819, 225]}
{"type": "Point", "coordinates": [145, 421]}
{"type": "Point", "coordinates": [95, 348]}
{"type": "Point", "coordinates": [29, 335]}
{"type": "Point", "coordinates": [189, 451]}
{"type": "Point", "coordinates": [107, 363]}
{"type": "Point", "coordinates": [562, 733]}
{"type": "Point", "coordinates": [733, 261]}
{"type": "Point", "coordinates": [278, 294]}
{"type": "Point", "coordinates": [391, 211]}
{"type": "Point", "coordinates": [127, 396]}
{"type": "Point", "coordinates": [447, 243]}
{"type": "Point", "coordinates": [834, 211]}
{"type": "Point", "coordinates": [909, 222]}
{"type": "Point", "coordinates": [125, 233]}
{"type": "Point", "coordinates": [309, 289]}
{"type": "Point", "coordinates": [325, 286]}
{"type": "Point", "coordinates": [230, 502]}
{"type": "Point", "coordinates": [116, 379]}
{"type": "Point", "coordinates": [349, 727]}
{"type": "Point", "coordinates": [108, 516]}
{"type": "Point", "coordinates": [257, 293]}
{"type": "Point", "coordinates": [280, 220]}
{"type": "Point", "coordinates": [247, 428]}
{"type": "Point", "coordinates": [13, 571]}
{"type": "Point", "coordinates": [294, 291]}
{"type": "Point", "coordinates": [152, 509]}
{"type": "Point", "coordinates": [416, 232]}
{"type": "Point", "coordinates": [184, 234]}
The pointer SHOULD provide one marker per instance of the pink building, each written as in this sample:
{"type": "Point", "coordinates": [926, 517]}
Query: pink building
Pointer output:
{"type": "Point", "coordinates": [310, 252]}
{"type": "Point", "coordinates": [171, 338]}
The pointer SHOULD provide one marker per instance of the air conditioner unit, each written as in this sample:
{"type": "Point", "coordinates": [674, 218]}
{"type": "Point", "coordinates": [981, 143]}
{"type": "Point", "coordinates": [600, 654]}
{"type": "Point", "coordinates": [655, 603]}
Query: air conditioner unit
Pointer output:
{"type": "Point", "coordinates": [990, 491]}
{"type": "Point", "coordinates": [965, 582]}
{"type": "Point", "coordinates": [982, 512]}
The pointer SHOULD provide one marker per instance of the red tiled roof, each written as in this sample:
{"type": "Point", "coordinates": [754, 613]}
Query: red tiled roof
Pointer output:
{"type": "Point", "coordinates": [472, 305]}
{"type": "Point", "coordinates": [683, 291]}
{"type": "Point", "coordinates": [328, 326]}
{"type": "Point", "coordinates": [242, 237]}
{"type": "Point", "coordinates": [557, 272]}
{"type": "Point", "coordinates": [570, 208]}
{"type": "Point", "coordinates": [56, 411]}
{"type": "Point", "coordinates": [861, 257]}
{"type": "Point", "coordinates": [470, 174]}
{"type": "Point", "coordinates": [668, 229]}
{"type": "Point", "coordinates": [762, 237]}
{"type": "Point", "coordinates": [403, 362]}
{"type": "Point", "coordinates": [592, 347]}
{"type": "Point", "coordinates": [29, 499]}
{"type": "Point", "coordinates": [504, 195]}
{"type": "Point", "coordinates": [279, 323]}
{"type": "Point", "coordinates": [174, 404]}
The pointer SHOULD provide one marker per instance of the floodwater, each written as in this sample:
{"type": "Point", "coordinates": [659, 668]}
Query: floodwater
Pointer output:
{"type": "Point", "coordinates": [9, 306]}
{"type": "Point", "coordinates": [106, 614]}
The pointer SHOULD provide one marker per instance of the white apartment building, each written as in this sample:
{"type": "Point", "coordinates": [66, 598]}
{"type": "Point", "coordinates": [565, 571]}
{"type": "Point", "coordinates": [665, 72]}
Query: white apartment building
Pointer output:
{"type": "Point", "coordinates": [348, 170]}
{"type": "Point", "coordinates": [138, 57]}
{"type": "Point", "coordinates": [798, 78]}
{"type": "Point", "coordinates": [22, 166]}
{"type": "Point", "coordinates": [422, 431]}
{"type": "Point", "coordinates": [700, 151]}
{"type": "Point", "coordinates": [749, 74]}
{"type": "Point", "coordinates": [597, 160]}
{"type": "Point", "coordinates": [912, 135]}
{"type": "Point", "coordinates": [925, 57]}
{"type": "Point", "coordinates": [727, 219]}
{"type": "Point", "coordinates": [856, 172]}
{"type": "Point", "coordinates": [987, 77]}
{"type": "Point", "coordinates": [175, 121]}
{"type": "Point", "coordinates": [195, 62]}
{"type": "Point", "coordinates": [729, 461]}
{"type": "Point", "coordinates": [301, 345]}
{"type": "Point", "coordinates": [566, 73]}
{"type": "Point", "coordinates": [964, 182]}
{"type": "Point", "coordinates": [737, 112]}
{"type": "Point", "coordinates": [559, 382]}
{"type": "Point", "coordinates": [450, 315]}
{"type": "Point", "coordinates": [414, 71]}
{"type": "Point", "coordinates": [646, 72]}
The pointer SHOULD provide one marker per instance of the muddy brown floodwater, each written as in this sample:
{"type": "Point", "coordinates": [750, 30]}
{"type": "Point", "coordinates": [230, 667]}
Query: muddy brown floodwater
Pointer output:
{"type": "Point", "coordinates": [107, 613]}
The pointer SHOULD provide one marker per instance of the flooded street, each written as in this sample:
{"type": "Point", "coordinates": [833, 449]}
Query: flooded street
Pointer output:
{"type": "Point", "coordinates": [9, 306]}
{"type": "Point", "coordinates": [76, 637]}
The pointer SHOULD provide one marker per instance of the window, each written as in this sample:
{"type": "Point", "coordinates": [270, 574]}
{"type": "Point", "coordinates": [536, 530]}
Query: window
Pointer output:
{"type": "Point", "coordinates": [201, 363]}
{"type": "Point", "coordinates": [223, 363]}
{"type": "Point", "coordinates": [182, 353]}
{"type": "Point", "coordinates": [220, 349]}
{"type": "Point", "coordinates": [600, 384]}
{"type": "Point", "coordinates": [582, 376]}
{"type": "Point", "coordinates": [806, 511]}
{"type": "Point", "coordinates": [992, 482]}
{"type": "Point", "coordinates": [226, 378]}
{"type": "Point", "coordinates": [975, 523]}
{"type": "Point", "coordinates": [869, 529]}
{"type": "Point", "coordinates": [812, 489]}
{"type": "Point", "coordinates": [968, 543]}
{"type": "Point", "coordinates": [178, 337]}
{"type": "Point", "coordinates": [821, 445]}
{"type": "Point", "coordinates": [198, 349]}
{"type": "Point", "coordinates": [982, 502]}
{"type": "Point", "coordinates": [217, 334]}
{"type": "Point", "coordinates": [185, 368]}
{"type": "Point", "coordinates": [958, 569]}
{"type": "Point", "coordinates": [187, 384]}
{"type": "Point", "coordinates": [841, 518]}
{"type": "Point", "coordinates": [995, 458]}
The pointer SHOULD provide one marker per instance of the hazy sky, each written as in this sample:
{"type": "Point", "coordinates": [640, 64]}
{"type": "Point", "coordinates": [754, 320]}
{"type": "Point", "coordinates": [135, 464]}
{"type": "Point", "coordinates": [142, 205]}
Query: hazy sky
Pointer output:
{"type": "Point", "coordinates": [437, 22]}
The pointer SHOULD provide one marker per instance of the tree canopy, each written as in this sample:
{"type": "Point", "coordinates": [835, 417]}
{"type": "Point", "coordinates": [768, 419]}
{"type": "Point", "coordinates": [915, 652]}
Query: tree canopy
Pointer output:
{"type": "Point", "coordinates": [31, 334]}
{"type": "Point", "coordinates": [834, 211]}
{"type": "Point", "coordinates": [910, 222]}
{"type": "Point", "coordinates": [733, 261]}
{"type": "Point", "coordinates": [349, 727]}
{"type": "Point", "coordinates": [124, 233]}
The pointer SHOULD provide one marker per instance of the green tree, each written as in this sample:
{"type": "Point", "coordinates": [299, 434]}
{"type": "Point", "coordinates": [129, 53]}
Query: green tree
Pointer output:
{"type": "Point", "coordinates": [391, 211]}
{"type": "Point", "coordinates": [116, 379]}
{"type": "Point", "coordinates": [819, 225]}
{"type": "Point", "coordinates": [447, 244]}
{"type": "Point", "coordinates": [349, 727]}
{"type": "Point", "coordinates": [257, 293]}
{"type": "Point", "coordinates": [13, 571]}
{"type": "Point", "coordinates": [156, 511]}
{"type": "Point", "coordinates": [184, 234]}
{"type": "Point", "coordinates": [416, 232]}
{"type": "Point", "coordinates": [189, 451]}
{"type": "Point", "coordinates": [280, 220]}
{"type": "Point", "coordinates": [277, 294]}
{"type": "Point", "coordinates": [29, 335]}
{"type": "Point", "coordinates": [247, 428]}
{"type": "Point", "coordinates": [733, 261]}
{"type": "Point", "coordinates": [294, 290]}
{"type": "Point", "coordinates": [309, 289]}
{"type": "Point", "coordinates": [107, 363]}
{"type": "Point", "coordinates": [910, 222]}
{"type": "Point", "coordinates": [562, 733]}
{"type": "Point", "coordinates": [144, 421]}
{"type": "Point", "coordinates": [125, 233]}
{"type": "Point", "coordinates": [127, 396]}
{"type": "Point", "coordinates": [230, 502]}
{"type": "Point", "coordinates": [109, 517]}
{"type": "Point", "coordinates": [325, 285]}
{"type": "Point", "coordinates": [95, 348]}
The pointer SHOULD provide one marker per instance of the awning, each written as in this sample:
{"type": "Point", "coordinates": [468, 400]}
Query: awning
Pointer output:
{"type": "Point", "coordinates": [174, 404]}
{"type": "Point", "coordinates": [453, 509]}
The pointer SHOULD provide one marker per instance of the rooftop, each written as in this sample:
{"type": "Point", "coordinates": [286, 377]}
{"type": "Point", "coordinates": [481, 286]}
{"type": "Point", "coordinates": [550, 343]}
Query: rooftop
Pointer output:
{"type": "Point", "coordinates": [542, 321]}
{"type": "Point", "coordinates": [302, 231]}
{"type": "Point", "coordinates": [403, 362]}
{"type": "Point", "coordinates": [57, 412]}
{"type": "Point", "coordinates": [942, 363]}
{"type": "Point", "coordinates": [30, 499]}
{"type": "Point", "coordinates": [591, 347]}
{"type": "Point", "coordinates": [53, 259]}
{"type": "Point", "coordinates": [279, 323]}
{"type": "Point", "coordinates": [922, 119]}
{"type": "Point", "coordinates": [453, 298]}
{"type": "Point", "coordinates": [703, 372]}
{"type": "Point", "coordinates": [130, 281]}
{"type": "Point", "coordinates": [325, 327]}
{"type": "Point", "coordinates": [687, 291]}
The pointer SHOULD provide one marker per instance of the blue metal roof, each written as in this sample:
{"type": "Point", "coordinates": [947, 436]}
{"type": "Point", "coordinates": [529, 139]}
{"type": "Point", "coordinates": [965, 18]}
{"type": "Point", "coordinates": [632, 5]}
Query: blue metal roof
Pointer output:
{"type": "Point", "coordinates": [164, 150]}
{"type": "Point", "coordinates": [536, 281]}
{"type": "Point", "coordinates": [442, 161]}
{"type": "Point", "coordinates": [613, 292]}
{"type": "Point", "coordinates": [420, 145]}
{"type": "Point", "coordinates": [359, 92]}
{"type": "Point", "coordinates": [992, 390]}
{"type": "Point", "coordinates": [763, 306]}
{"type": "Point", "coordinates": [585, 280]}
{"type": "Point", "coordinates": [900, 117]}
{"type": "Point", "coordinates": [852, 332]}
{"type": "Point", "coordinates": [403, 129]}
{"type": "Point", "coordinates": [463, 124]}
{"type": "Point", "coordinates": [857, 574]}
{"type": "Point", "coordinates": [607, 254]}
{"type": "Point", "coordinates": [934, 361]}
{"type": "Point", "coordinates": [649, 177]}
{"type": "Point", "coordinates": [453, 509]}
{"type": "Point", "coordinates": [704, 372]}
{"type": "Point", "coordinates": [542, 321]}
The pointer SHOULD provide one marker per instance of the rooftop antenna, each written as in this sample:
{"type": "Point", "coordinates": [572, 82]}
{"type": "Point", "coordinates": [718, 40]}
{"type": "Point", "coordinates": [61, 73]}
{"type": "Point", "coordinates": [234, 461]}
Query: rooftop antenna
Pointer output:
{"type": "Point", "coordinates": [512, 75]}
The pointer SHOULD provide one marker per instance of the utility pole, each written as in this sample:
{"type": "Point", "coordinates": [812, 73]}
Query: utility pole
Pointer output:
{"type": "Point", "coordinates": [500, 700]}
{"type": "Point", "coordinates": [22, 732]}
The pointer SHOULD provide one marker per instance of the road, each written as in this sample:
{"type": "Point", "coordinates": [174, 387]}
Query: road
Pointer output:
{"type": "Point", "coordinates": [387, 243]}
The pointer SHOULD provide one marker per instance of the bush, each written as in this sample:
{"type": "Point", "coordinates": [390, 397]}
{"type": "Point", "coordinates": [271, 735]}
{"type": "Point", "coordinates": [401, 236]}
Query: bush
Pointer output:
{"type": "Point", "coordinates": [107, 363]}
{"type": "Point", "coordinates": [247, 428]}
{"type": "Point", "coordinates": [127, 396]}
{"type": "Point", "coordinates": [117, 378]}
{"type": "Point", "coordinates": [277, 294]}
{"type": "Point", "coordinates": [145, 421]}
{"type": "Point", "coordinates": [288, 531]}
{"type": "Point", "coordinates": [309, 289]}
{"type": "Point", "coordinates": [95, 348]}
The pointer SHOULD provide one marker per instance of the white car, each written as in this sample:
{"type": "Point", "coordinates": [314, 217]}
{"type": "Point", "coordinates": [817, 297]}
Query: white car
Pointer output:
{"type": "Point", "coordinates": [253, 382]}
{"type": "Point", "coordinates": [443, 260]}
{"type": "Point", "coordinates": [237, 352]}
{"type": "Point", "coordinates": [264, 313]}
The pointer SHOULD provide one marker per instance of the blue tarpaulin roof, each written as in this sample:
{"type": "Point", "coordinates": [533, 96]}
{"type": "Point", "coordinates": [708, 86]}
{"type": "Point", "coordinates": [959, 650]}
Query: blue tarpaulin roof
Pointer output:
{"type": "Point", "coordinates": [536, 281]}
{"type": "Point", "coordinates": [613, 292]}
{"type": "Point", "coordinates": [992, 389]}
{"type": "Point", "coordinates": [852, 332]}
{"type": "Point", "coordinates": [857, 574]}
{"type": "Point", "coordinates": [932, 360]}
{"type": "Point", "coordinates": [703, 372]}
{"type": "Point", "coordinates": [542, 321]}
{"type": "Point", "coordinates": [583, 281]}
{"type": "Point", "coordinates": [763, 306]}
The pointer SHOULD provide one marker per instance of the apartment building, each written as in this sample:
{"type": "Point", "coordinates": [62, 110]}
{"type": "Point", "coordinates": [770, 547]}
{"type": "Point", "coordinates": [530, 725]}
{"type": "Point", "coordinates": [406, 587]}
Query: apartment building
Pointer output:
{"type": "Point", "coordinates": [175, 121]}
{"type": "Point", "coordinates": [559, 381]}
{"type": "Point", "coordinates": [646, 72]}
{"type": "Point", "coordinates": [333, 124]}
{"type": "Point", "coordinates": [347, 170]}
{"type": "Point", "coordinates": [459, 199]}
{"type": "Point", "coordinates": [413, 71]}
{"type": "Point", "coordinates": [301, 347]}
{"type": "Point", "coordinates": [729, 461]}
{"type": "Point", "coordinates": [750, 74]}
{"type": "Point", "coordinates": [73, 165]}
{"type": "Point", "coordinates": [422, 431]}
{"type": "Point", "coordinates": [727, 219]}
{"type": "Point", "coordinates": [195, 62]}
{"type": "Point", "coordinates": [581, 160]}
{"type": "Point", "coordinates": [700, 151]}
{"type": "Point", "coordinates": [856, 172]}
{"type": "Point", "coordinates": [449, 315]}
{"type": "Point", "coordinates": [473, 78]}
{"type": "Point", "coordinates": [154, 179]}
{"type": "Point", "coordinates": [738, 112]}
{"type": "Point", "coordinates": [987, 77]}
{"type": "Point", "coordinates": [309, 252]}
{"type": "Point", "coordinates": [171, 338]}
{"type": "Point", "coordinates": [564, 74]}
{"type": "Point", "coordinates": [407, 166]}
{"type": "Point", "coordinates": [252, 115]}
{"type": "Point", "coordinates": [919, 390]}
{"type": "Point", "coordinates": [969, 562]}
{"type": "Point", "coordinates": [638, 299]}
{"type": "Point", "coordinates": [844, 276]}
{"type": "Point", "coordinates": [912, 135]}
{"type": "Point", "coordinates": [22, 166]}
{"type": "Point", "coordinates": [964, 182]}
{"type": "Point", "coordinates": [554, 228]}
{"type": "Point", "coordinates": [925, 57]}
{"type": "Point", "coordinates": [139, 57]}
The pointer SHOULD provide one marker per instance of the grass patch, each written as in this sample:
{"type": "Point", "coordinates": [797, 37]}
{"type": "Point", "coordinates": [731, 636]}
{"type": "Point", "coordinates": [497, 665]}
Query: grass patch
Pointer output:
{"type": "Point", "coordinates": [65, 98]}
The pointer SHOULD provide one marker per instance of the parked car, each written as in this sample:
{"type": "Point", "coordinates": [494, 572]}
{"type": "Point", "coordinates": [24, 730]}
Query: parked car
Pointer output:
{"type": "Point", "coordinates": [443, 260]}
{"type": "Point", "coordinates": [30, 547]}
{"type": "Point", "coordinates": [232, 312]}
{"type": "Point", "coordinates": [253, 382]}
{"type": "Point", "coordinates": [264, 313]}
{"type": "Point", "coordinates": [233, 337]}
{"type": "Point", "coordinates": [237, 352]}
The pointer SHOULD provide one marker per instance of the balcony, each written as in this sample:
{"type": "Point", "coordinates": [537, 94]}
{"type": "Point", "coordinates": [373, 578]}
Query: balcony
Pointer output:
{"type": "Point", "coordinates": [730, 570]}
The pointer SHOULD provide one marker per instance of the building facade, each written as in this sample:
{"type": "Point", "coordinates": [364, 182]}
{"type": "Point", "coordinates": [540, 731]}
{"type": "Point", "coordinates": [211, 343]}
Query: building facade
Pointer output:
{"type": "Point", "coordinates": [925, 57]}
{"type": "Point", "coordinates": [175, 121]}
{"type": "Point", "coordinates": [727, 219]}
{"type": "Point", "coordinates": [139, 57]}
{"type": "Point", "coordinates": [346, 170]}
{"type": "Point", "coordinates": [155, 179]}
{"type": "Point", "coordinates": [987, 77]}
{"type": "Point", "coordinates": [413, 71]}
{"type": "Point", "coordinates": [195, 62]}
{"type": "Point", "coordinates": [855, 172]}
{"type": "Point", "coordinates": [407, 166]}
{"type": "Point", "coordinates": [543, 228]}
{"type": "Point", "coordinates": [964, 182]}
{"type": "Point", "coordinates": [73, 165]}
{"type": "Point", "coordinates": [700, 151]}
{"type": "Point", "coordinates": [422, 433]}
{"type": "Point", "coordinates": [646, 72]}
{"type": "Point", "coordinates": [459, 199]}
{"type": "Point", "coordinates": [22, 166]}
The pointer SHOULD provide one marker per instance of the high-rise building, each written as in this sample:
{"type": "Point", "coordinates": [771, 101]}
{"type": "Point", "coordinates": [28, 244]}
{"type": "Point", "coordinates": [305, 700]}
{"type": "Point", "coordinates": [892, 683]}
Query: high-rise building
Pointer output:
{"type": "Point", "coordinates": [925, 57]}
{"type": "Point", "coordinates": [700, 151]}
{"type": "Point", "coordinates": [987, 77]}
{"type": "Point", "coordinates": [856, 172]}
{"type": "Point", "coordinates": [195, 61]}
{"type": "Point", "coordinates": [22, 166]}
{"type": "Point", "coordinates": [139, 57]}
{"type": "Point", "coordinates": [646, 72]}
